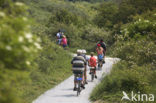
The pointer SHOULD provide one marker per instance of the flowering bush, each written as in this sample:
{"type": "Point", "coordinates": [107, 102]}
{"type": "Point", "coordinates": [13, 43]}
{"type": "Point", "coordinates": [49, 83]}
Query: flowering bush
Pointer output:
{"type": "Point", "coordinates": [18, 49]}
{"type": "Point", "coordinates": [17, 45]}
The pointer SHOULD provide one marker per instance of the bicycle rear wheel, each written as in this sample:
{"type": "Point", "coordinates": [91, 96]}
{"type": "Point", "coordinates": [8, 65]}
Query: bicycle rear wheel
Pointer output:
{"type": "Point", "coordinates": [79, 88]}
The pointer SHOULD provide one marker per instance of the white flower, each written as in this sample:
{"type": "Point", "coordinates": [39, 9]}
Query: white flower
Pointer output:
{"type": "Point", "coordinates": [28, 35]}
{"type": "Point", "coordinates": [30, 40]}
{"type": "Point", "coordinates": [8, 47]}
{"type": "Point", "coordinates": [25, 19]}
{"type": "Point", "coordinates": [139, 19]}
{"type": "Point", "coordinates": [146, 21]}
{"type": "Point", "coordinates": [26, 49]}
{"type": "Point", "coordinates": [2, 14]}
{"type": "Point", "coordinates": [20, 39]}
{"type": "Point", "coordinates": [19, 4]}
{"type": "Point", "coordinates": [37, 45]}
{"type": "Point", "coordinates": [38, 39]}
{"type": "Point", "coordinates": [27, 62]}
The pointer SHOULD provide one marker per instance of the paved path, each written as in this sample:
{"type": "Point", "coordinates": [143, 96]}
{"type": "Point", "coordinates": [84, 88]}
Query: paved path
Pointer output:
{"type": "Point", "coordinates": [63, 93]}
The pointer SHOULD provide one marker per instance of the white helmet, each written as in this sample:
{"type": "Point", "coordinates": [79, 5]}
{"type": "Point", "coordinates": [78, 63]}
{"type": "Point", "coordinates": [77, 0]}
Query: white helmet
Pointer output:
{"type": "Point", "coordinates": [84, 51]}
{"type": "Point", "coordinates": [79, 51]}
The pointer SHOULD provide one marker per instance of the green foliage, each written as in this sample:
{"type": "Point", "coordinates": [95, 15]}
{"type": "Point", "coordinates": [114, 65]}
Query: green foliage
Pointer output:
{"type": "Point", "coordinates": [107, 15]}
{"type": "Point", "coordinates": [18, 49]}
{"type": "Point", "coordinates": [135, 46]}
{"type": "Point", "coordinates": [123, 78]}
{"type": "Point", "coordinates": [53, 67]}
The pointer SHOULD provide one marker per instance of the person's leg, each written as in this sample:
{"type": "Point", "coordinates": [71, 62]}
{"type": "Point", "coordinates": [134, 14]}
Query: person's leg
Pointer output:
{"type": "Point", "coordinates": [74, 82]}
{"type": "Point", "coordinates": [60, 41]}
{"type": "Point", "coordinates": [95, 72]}
{"type": "Point", "coordinates": [83, 81]}
{"type": "Point", "coordinates": [85, 75]}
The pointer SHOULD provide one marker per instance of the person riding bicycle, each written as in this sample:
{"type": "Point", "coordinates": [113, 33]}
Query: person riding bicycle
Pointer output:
{"type": "Point", "coordinates": [92, 63]}
{"type": "Point", "coordinates": [99, 51]}
{"type": "Point", "coordinates": [103, 45]}
{"type": "Point", "coordinates": [85, 71]}
{"type": "Point", "coordinates": [82, 61]}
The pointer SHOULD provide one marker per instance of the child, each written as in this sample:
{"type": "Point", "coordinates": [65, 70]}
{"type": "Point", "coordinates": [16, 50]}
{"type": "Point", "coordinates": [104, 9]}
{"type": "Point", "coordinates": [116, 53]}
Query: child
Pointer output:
{"type": "Point", "coordinates": [92, 62]}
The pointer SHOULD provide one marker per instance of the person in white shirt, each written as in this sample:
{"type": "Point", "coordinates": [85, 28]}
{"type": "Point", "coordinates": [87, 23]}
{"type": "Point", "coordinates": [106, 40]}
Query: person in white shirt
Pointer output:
{"type": "Point", "coordinates": [59, 37]}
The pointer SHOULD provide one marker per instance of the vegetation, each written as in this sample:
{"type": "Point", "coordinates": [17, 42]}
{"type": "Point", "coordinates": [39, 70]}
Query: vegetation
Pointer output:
{"type": "Point", "coordinates": [31, 62]}
{"type": "Point", "coordinates": [27, 69]}
{"type": "Point", "coordinates": [134, 43]}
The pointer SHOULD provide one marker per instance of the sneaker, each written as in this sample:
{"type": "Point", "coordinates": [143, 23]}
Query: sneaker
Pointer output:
{"type": "Point", "coordinates": [74, 89]}
{"type": "Point", "coordinates": [95, 76]}
{"type": "Point", "coordinates": [82, 86]}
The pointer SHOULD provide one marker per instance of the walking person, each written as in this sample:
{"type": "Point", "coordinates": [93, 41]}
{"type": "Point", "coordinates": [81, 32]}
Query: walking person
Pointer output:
{"type": "Point", "coordinates": [64, 41]}
{"type": "Point", "coordinates": [59, 37]}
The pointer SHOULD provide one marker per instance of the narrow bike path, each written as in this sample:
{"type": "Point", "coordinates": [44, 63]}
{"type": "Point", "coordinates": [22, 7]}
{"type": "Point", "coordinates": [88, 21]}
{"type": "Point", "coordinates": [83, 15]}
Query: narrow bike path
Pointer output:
{"type": "Point", "coordinates": [63, 93]}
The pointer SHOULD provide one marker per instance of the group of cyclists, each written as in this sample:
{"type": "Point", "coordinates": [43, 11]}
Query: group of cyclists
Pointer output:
{"type": "Point", "coordinates": [80, 62]}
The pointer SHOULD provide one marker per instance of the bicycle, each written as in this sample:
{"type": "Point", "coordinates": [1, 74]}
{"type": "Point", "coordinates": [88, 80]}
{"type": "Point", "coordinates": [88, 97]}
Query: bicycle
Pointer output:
{"type": "Point", "coordinates": [92, 73]}
{"type": "Point", "coordinates": [100, 64]}
{"type": "Point", "coordinates": [78, 73]}
{"type": "Point", "coordinates": [78, 83]}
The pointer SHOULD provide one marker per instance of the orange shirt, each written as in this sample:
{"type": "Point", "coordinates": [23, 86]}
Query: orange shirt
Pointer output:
{"type": "Point", "coordinates": [99, 51]}
{"type": "Point", "coordinates": [92, 61]}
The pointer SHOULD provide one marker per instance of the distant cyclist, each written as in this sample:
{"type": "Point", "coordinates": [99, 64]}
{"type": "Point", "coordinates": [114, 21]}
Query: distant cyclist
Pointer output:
{"type": "Point", "coordinates": [92, 62]}
{"type": "Point", "coordinates": [85, 71]}
{"type": "Point", "coordinates": [99, 51]}
{"type": "Point", "coordinates": [78, 62]}
{"type": "Point", "coordinates": [103, 45]}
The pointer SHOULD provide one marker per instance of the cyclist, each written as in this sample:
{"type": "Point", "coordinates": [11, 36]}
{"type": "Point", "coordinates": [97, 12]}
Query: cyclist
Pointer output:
{"type": "Point", "coordinates": [92, 63]}
{"type": "Point", "coordinates": [81, 64]}
{"type": "Point", "coordinates": [85, 71]}
{"type": "Point", "coordinates": [99, 51]}
{"type": "Point", "coordinates": [103, 45]}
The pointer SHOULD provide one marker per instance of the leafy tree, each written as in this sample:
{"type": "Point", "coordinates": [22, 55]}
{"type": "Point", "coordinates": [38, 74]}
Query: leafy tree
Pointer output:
{"type": "Point", "coordinates": [107, 15]}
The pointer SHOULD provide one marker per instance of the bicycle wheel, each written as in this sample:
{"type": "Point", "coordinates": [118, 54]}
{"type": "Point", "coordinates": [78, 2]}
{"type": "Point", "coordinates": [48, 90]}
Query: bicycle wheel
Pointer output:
{"type": "Point", "coordinates": [92, 77]}
{"type": "Point", "coordinates": [78, 90]}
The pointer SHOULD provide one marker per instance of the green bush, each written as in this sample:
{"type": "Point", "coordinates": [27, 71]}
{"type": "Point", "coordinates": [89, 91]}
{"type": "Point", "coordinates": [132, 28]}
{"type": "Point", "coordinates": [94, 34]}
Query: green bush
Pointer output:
{"type": "Point", "coordinates": [121, 79]}
{"type": "Point", "coordinates": [135, 46]}
{"type": "Point", "coordinates": [18, 49]}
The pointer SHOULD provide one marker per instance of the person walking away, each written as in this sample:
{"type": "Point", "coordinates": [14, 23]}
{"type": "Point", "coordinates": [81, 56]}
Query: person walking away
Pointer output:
{"type": "Point", "coordinates": [78, 62]}
{"type": "Point", "coordinates": [64, 41]}
{"type": "Point", "coordinates": [85, 71]}
{"type": "Point", "coordinates": [59, 37]}
{"type": "Point", "coordinates": [92, 63]}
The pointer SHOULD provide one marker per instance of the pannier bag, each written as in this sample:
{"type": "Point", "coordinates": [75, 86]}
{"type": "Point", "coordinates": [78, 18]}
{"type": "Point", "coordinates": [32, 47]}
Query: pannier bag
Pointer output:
{"type": "Point", "coordinates": [100, 57]}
